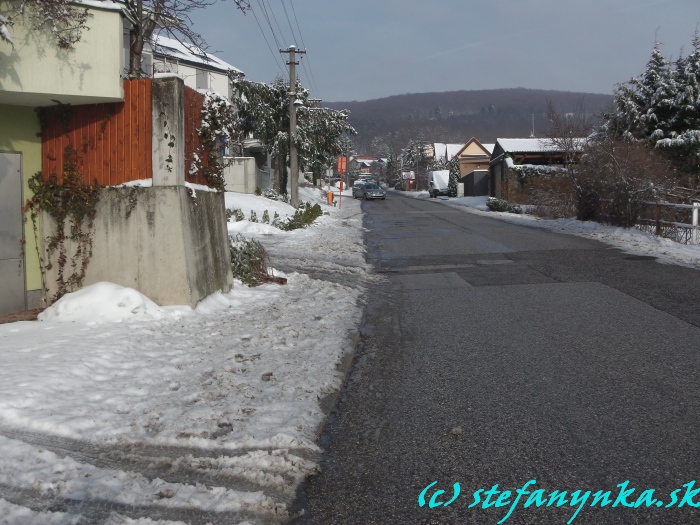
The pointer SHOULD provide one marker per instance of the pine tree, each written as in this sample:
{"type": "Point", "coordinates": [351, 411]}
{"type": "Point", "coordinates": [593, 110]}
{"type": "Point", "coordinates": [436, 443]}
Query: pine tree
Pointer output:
{"type": "Point", "coordinates": [683, 138]}
{"type": "Point", "coordinates": [662, 107]}
{"type": "Point", "coordinates": [644, 106]}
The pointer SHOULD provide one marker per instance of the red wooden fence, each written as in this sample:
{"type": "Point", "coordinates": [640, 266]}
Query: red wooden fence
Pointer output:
{"type": "Point", "coordinates": [113, 140]}
{"type": "Point", "coordinates": [193, 120]}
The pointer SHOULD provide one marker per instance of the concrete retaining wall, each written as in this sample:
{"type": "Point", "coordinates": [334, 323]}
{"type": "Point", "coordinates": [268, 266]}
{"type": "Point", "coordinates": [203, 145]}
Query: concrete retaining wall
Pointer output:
{"type": "Point", "coordinates": [240, 174]}
{"type": "Point", "coordinates": [160, 241]}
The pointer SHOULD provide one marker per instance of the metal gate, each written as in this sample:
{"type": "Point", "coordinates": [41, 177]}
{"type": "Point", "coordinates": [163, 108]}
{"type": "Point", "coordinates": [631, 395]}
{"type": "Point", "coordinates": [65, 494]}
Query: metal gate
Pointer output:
{"type": "Point", "coordinates": [12, 287]}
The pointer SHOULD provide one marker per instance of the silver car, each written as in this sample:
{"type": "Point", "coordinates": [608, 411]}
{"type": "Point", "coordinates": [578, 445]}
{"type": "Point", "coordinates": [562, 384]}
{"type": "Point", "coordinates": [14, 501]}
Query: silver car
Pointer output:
{"type": "Point", "coordinates": [357, 189]}
{"type": "Point", "coordinates": [370, 190]}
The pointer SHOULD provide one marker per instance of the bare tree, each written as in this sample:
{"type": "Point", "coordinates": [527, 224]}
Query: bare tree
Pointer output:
{"type": "Point", "coordinates": [62, 18]}
{"type": "Point", "coordinates": [171, 16]}
{"type": "Point", "coordinates": [569, 134]}
{"type": "Point", "coordinates": [66, 20]}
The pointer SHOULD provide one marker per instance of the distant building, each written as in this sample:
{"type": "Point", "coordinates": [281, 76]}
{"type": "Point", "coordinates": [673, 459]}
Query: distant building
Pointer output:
{"type": "Point", "coordinates": [200, 70]}
{"type": "Point", "coordinates": [512, 153]}
{"type": "Point", "coordinates": [474, 156]}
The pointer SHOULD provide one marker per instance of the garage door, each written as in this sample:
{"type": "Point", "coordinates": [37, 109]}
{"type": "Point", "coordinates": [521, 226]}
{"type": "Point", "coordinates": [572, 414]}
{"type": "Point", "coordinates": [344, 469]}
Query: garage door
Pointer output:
{"type": "Point", "coordinates": [12, 296]}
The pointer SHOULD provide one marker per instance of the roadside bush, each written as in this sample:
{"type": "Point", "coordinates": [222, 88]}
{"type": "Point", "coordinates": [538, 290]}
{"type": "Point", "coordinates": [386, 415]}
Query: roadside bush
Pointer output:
{"type": "Point", "coordinates": [249, 261]}
{"type": "Point", "coordinates": [303, 217]}
{"type": "Point", "coordinates": [271, 194]}
{"type": "Point", "coordinates": [253, 216]}
{"type": "Point", "coordinates": [236, 214]}
{"type": "Point", "coordinates": [266, 217]}
{"type": "Point", "coordinates": [626, 174]}
{"type": "Point", "coordinates": [552, 196]}
{"type": "Point", "coordinates": [587, 204]}
{"type": "Point", "coordinates": [495, 204]}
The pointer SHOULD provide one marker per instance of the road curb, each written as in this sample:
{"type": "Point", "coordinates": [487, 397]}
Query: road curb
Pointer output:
{"type": "Point", "coordinates": [328, 402]}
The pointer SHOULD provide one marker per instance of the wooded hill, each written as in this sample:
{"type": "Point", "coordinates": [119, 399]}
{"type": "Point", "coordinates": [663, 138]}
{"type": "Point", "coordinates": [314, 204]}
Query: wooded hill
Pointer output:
{"type": "Point", "coordinates": [457, 116]}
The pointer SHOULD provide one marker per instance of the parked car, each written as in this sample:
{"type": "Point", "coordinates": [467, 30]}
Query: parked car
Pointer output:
{"type": "Point", "coordinates": [357, 189]}
{"type": "Point", "coordinates": [439, 184]}
{"type": "Point", "coordinates": [368, 191]}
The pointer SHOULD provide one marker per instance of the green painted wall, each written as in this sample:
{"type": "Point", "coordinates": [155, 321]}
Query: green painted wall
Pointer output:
{"type": "Point", "coordinates": [19, 126]}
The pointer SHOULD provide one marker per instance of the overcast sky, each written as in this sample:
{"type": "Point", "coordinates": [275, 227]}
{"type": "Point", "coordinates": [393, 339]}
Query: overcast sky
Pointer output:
{"type": "Point", "coordinates": [365, 49]}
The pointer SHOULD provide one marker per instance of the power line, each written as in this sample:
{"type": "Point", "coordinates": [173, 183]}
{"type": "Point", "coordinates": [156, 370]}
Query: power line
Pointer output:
{"type": "Point", "coordinates": [261, 4]}
{"type": "Point", "coordinates": [303, 64]}
{"type": "Point", "coordinates": [267, 42]}
{"type": "Point", "coordinates": [284, 6]}
{"type": "Point", "coordinates": [304, 44]}
{"type": "Point", "coordinates": [269, 5]}
{"type": "Point", "coordinates": [308, 77]}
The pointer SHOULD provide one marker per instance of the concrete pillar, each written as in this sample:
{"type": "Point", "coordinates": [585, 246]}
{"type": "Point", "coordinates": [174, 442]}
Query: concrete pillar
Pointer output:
{"type": "Point", "coordinates": [168, 150]}
{"type": "Point", "coordinates": [460, 189]}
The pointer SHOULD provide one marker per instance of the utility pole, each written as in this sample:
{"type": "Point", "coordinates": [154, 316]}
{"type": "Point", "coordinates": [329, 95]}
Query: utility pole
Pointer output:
{"type": "Point", "coordinates": [293, 161]}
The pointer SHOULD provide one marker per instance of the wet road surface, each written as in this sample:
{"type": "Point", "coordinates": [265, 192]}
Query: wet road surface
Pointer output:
{"type": "Point", "coordinates": [498, 354]}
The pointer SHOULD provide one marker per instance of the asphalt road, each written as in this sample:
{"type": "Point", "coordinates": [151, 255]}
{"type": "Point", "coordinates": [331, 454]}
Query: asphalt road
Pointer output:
{"type": "Point", "coordinates": [499, 354]}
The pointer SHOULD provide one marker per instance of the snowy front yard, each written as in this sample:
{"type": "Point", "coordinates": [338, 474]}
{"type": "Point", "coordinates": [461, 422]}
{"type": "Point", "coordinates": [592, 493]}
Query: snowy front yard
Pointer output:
{"type": "Point", "coordinates": [231, 388]}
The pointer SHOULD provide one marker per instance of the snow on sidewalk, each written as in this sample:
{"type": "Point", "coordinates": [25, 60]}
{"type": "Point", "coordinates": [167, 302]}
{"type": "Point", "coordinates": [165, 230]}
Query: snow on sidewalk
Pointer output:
{"type": "Point", "coordinates": [238, 380]}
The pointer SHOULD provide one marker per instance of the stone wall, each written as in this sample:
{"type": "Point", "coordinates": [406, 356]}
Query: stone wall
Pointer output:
{"type": "Point", "coordinates": [171, 247]}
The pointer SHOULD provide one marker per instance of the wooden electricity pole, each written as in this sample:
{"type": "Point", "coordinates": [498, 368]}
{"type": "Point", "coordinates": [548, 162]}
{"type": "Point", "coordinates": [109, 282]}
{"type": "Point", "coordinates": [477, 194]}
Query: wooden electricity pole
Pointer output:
{"type": "Point", "coordinates": [293, 160]}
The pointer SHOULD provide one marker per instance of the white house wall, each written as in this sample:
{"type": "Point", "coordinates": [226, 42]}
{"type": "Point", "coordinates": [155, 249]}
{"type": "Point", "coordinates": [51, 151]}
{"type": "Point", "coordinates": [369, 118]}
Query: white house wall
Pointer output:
{"type": "Point", "coordinates": [219, 83]}
{"type": "Point", "coordinates": [34, 71]}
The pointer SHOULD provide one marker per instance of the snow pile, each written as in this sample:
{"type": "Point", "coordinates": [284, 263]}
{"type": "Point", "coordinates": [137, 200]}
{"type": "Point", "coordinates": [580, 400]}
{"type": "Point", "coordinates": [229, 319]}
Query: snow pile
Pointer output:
{"type": "Point", "coordinates": [16, 515]}
{"type": "Point", "coordinates": [102, 303]}
{"type": "Point", "coordinates": [27, 467]}
{"type": "Point", "coordinates": [229, 391]}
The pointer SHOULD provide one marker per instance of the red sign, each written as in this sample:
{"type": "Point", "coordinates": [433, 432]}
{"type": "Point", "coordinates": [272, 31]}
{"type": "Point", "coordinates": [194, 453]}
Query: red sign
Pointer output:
{"type": "Point", "coordinates": [342, 164]}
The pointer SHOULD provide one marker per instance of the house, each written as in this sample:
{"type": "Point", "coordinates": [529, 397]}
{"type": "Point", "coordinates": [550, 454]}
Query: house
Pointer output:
{"type": "Point", "coordinates": [246, 170]}
{"type": "Point", "coordinates": [473, 156]}
{"type": "Point", "coordinates": [200, 70]}
{"type": "Point", "coordinates": [119, 131]}
{"type": "Point", "coordinates": [364, 163]}
{"type": "Point", "coordinates": [515, 154]}
{"type": "Point", "coordinates": [34, 73]}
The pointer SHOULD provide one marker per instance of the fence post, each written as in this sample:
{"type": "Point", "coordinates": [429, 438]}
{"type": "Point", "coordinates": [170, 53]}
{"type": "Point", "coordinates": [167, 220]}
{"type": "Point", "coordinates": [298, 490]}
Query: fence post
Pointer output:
{"type": "Point", "coordinates": [168, 116]}
{"type": "Point", "coordinates": [657, 217]}
{"type": "Point", "coordinates": [696, 207]}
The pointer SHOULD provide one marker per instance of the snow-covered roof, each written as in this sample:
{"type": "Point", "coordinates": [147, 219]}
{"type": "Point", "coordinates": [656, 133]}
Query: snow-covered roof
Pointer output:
{"type": "Point", "coordinates": [446, 150]}
{"type": "Point", "coordinates": [440, 149]}
{"type": "Point", "coordinates": [101, 4]}
{"type": "Point", "coordinates": [531, 145]}
{"type": "Point", "coordinates": [453, 149]}
{"type": "Point", "coordinates": [175, 50]}
{"type": "Point", "coordinates": [489, 147]}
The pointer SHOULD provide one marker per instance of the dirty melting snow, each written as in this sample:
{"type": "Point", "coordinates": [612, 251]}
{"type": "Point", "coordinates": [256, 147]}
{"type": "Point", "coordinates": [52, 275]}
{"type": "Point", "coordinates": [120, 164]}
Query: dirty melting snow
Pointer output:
{"type": "Point", "coordinates": [26, 467]}
{"type": "Point", "coordinates": [239, 378]}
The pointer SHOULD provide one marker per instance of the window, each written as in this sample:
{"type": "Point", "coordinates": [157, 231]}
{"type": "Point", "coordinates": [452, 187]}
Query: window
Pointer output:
{"type": "Point", "coordinates": [202, 79]}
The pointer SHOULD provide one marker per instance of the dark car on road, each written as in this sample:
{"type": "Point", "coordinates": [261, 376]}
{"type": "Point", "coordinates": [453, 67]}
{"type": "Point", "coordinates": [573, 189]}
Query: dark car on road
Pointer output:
{"type": "Point", "coordinates": [368, 190]}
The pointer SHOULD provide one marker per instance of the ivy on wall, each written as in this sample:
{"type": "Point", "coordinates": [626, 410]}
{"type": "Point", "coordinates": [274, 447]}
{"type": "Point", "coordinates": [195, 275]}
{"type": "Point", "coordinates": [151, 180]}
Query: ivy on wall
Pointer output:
{"type": "Point", "coordinates": [72, 204]}
{"type": "Point", "coordinates": [218, 126]}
